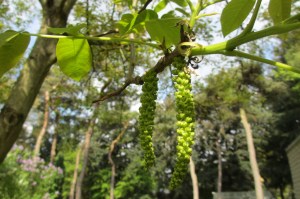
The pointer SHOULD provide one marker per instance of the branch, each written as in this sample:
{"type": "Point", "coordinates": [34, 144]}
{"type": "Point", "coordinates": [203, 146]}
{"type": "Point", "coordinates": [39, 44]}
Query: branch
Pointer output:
{"type": "Point", "coordinates": [145, 6]}
{"type": "Point", "coordinates": [231, 44]}
{"type": "Point", "coordinates": [103, 39]}
{"type": "Point", "coordinates": [113, 166]}
{"type": "Point", "coordinates": [211, 3]}
{"type": "Point", "coordinates": [260, 59]}
{"type": "Point", "coordinates": [189, 2]}
{"type": "Point", "coordinates": [159, 67]}
{"type": "Point", "coordinates": [137, 80]}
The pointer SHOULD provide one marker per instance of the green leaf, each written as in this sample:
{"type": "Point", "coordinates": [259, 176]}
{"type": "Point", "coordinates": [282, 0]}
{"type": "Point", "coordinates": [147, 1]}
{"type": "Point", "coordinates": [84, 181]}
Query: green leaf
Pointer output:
{"type": "Point", "coordinates": [164, 31]}
{"type": "Point", "coordinates": [233, 15]}
{"type": "Point", "coordinates": [129, 22]}
{"type": "Point", "coordinates": [123, 23]}
{"type": "Point", "coordinates": [161, 5]}
{"type": "Point", "coordinates": [181, 3]}
{"type": "Point", "coordinates": [279, 10]}
{"type": "Point", "coordinates": [74, 57]}
{"type": "Point", "coordinates": [144, 16]}
{"type": "Point", "coordinates": [168, 15]}
{"type": "Point", "coordinates": [12, 47]}
{"type": "Point", "coordinates": [70, 30]}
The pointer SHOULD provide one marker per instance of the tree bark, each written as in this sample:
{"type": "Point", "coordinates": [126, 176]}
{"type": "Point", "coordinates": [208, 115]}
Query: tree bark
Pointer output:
{"type": "Point", "coordinates": [194, 179]}
{"type": "Point", "coordinates": [41, 135]}
{"type": "Point", "coordinates": [54, 141]}
{"type": "Point", "coordinates": [219, 170]}
{"type": "Point", "coordinates": [255, 170]}
{"type": "Point", "coordinates": [88, 136]}
{"type": "Point", "coordinates": [219, 151]}
{"type": "Point", "coordinates": [113, 166]}
{"type": "Point", "coordinates": [25, 90]}
{"type": "Point", "coordinates": [74, 180]}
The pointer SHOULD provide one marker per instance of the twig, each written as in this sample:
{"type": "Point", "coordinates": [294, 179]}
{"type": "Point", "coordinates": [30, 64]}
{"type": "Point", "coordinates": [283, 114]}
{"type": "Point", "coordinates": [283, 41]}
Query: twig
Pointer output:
{"type": "Point", "coordinates": [137, 80]}
{"type": "Point", "coordinates": [113, 166]}
{"type": "Point", "coordinates": [145, 6]}
{"type": "Point", "coordinates": [159, 67]}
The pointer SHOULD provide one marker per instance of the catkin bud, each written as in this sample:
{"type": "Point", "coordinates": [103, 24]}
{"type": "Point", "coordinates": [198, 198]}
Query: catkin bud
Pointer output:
{"type": "Point", "coordinates": [146, 118]}
{"type": "Point", "coordinates": [185, 120]}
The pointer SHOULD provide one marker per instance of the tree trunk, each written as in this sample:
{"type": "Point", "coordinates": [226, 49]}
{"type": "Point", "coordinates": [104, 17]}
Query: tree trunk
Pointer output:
{"type": "Point", "coordinates": [25, 90]}
{"type": "Point", "coordinates": [194, 179]}
{"type": "Point", "coordinates": [54, 140]}
{"type": "Point", "coordinates": [219, 170]}
{"type": "Point", "coordinates": [255, 170]}
{"type": "Point", "coordinates": [74, 180]}
{"type": "Point", "coordinates": [88, 136]}
{"type": "Point", "coordinates": [44, 127]}
{"type": "Point", "coordinates": [113, 166]}
{"type": "Point", "coordinates": [219, 151]}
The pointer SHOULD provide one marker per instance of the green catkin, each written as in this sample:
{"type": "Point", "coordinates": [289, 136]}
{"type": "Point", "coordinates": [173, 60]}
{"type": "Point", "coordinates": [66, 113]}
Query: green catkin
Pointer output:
{"type": "Point", "coordinates": [185, 120]}
{"type": "Point", "coordinates": [146, 118]}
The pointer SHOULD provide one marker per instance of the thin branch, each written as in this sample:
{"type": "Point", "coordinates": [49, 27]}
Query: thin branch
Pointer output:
{"type": "Point", "coordinates": [197, 49]}
{"type": "Point", "coordinates": [103, 39]}
{"type": "Point", "coordinates": [192, 7]}
{"type": "Point", "coordinates": [260, 59]}
{"type": "Point", "coordinates": [87, 7]}
{"type": "Point", "coordinates": [211, 3]}
{"type": "Point", "coordinates": [132, 61]}
{"type": "Point", "coordinates": [145, 6]}
{"type": "Point", "coordinates": [41, 135]}
{"type": "Point", "coordinates": [159, 67]}
{"type": "Point", "coordinates": [137, 80]}
{"type": "Point", "coordinates": [293, 19]}
{"type": "Point", "coordinates": [111, 161]}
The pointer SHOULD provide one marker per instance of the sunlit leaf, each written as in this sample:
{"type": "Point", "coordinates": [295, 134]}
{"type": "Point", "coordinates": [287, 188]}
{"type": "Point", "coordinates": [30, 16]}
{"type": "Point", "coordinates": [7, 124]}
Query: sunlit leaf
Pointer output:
{"type": "Point", "coordinates": [123, 23]}
{"type": "Point", "coordinates": [181, 3]}
{"type": "Point", "coordinates": [233, 15]}
{"type": "Point", "coordinates": [74, 57]}
{"type": "Point", "coordinates": [144, 16]}
{"type": "Point", "coordinates": [279, 10]}
{"type": "Point", "coordinates": [164, 31]}
{"type": "Point", "coordinates": [12, 47]}
{"type": "Point", "coordinates": [128, 21]}
{"type": "Point", "coordinates": [161, 5]}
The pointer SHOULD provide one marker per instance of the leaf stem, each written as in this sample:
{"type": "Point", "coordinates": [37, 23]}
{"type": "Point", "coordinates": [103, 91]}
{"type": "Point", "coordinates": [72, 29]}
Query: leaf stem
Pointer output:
{"type": "Point", "coordinates": [191, 5]}
{"type": "Point", "coordinates": [104, 39]}
{"type": "Point", "coordinates": [211, 3]}
{"type": "Point", "coordinates": [250, 25]}
{"type": "Point", "coordinates": [195, 12]}
{"type": "Point", "coordinates": [236, 53]}
{"type": "Point", "coordinates": [237, 41]}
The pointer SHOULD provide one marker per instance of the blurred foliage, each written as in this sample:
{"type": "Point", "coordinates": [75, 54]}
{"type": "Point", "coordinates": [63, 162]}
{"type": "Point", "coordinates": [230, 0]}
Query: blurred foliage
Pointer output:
{"type": "Point", "coordinates": [25, 177]}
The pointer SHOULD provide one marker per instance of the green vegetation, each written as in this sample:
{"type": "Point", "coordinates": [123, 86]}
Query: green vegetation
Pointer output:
{"type": "Point", "coordinates": [99, 142]}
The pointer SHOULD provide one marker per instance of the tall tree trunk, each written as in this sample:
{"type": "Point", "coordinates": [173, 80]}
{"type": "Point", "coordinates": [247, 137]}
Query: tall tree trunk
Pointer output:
{"type": "Point", "coordinates": [113, 166]}
{"type": "Point", "coordinates": [219, 186]}
{"type": "Point", "coordinates": [87, 142]}
{"type": "Point", "coordinates": [194, 179]}
{"type": "Point", "coordinates": [25, 90]}
{"type": "Point", "coordinates": [74, 180]}
{"type": "Point", "coordinates": [255, 170]}
{"type": "Point", "coordinates": [43, 130]}
{"type": "Point", "coordinates": [54, 140]}
{"type": "Point", "coordinates": [219, 151]}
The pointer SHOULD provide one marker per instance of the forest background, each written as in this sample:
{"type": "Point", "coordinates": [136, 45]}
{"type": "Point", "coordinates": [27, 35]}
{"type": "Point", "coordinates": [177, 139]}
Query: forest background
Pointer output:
{"type": "Point", "coordinates": [74, 143]}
